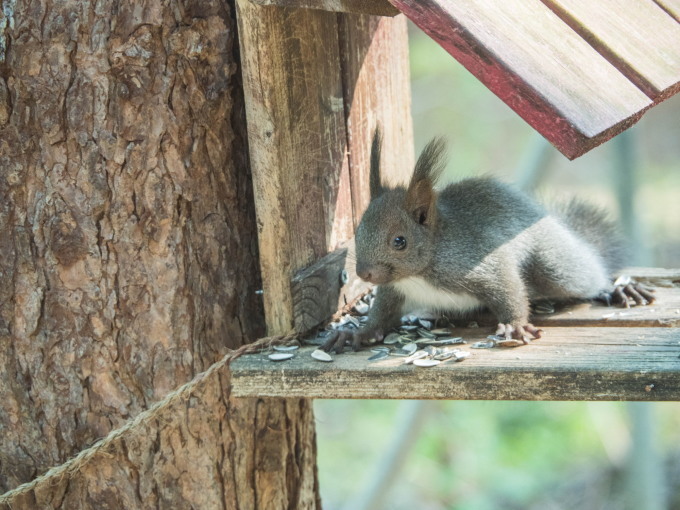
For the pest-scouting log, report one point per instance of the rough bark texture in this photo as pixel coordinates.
(128, 257)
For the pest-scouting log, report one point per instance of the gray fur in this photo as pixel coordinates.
(480, 239)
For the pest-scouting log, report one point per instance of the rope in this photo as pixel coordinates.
(68, 468)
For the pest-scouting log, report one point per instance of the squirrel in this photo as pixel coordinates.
(478, 243)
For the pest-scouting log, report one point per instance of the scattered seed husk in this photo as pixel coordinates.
(361, 308)
(461, 355)
(409, 327)
(286, 348)
(441, 332)
(416, 355)
(353, 320)
(280, 356)
(409, 348)
(425, 333)
(380, 349)
(426, 362)
(399, 352)
(392, 338)
(425, 323)
(321, 355)
(544, 308)
(444, 355)
(509, 343)
(379, 355)
(444, 341)
(488, 344)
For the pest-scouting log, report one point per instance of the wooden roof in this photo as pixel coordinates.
(578, 71)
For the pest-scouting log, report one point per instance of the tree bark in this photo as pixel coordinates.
(128, 260)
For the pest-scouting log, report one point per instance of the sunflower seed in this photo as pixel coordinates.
(445, 341)
(426, 333)
(286, 348)
(407, 327)
(489, 344)
(409, 348)
(441, 332)
(425, 323)
(379, 355)
(353, 320)
(444, 355)
(426, 362)
(321, 355)
(544, 308)
(416, 355)
(461, 355)
(392, 338)
(509, 343)
(280, 356)
(361, 307)
(380, 349)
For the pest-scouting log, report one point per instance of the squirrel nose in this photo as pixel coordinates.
(364, 274)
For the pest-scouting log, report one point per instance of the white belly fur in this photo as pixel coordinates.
(421, 295)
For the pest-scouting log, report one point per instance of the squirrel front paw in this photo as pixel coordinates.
(625, 290)
(337, 340)
(523, 332)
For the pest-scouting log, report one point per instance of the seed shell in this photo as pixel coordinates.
(410, 348)
(321, 355)
(392, 338)
(489, 344)
(280, 356)
(379, 355)
(426, 362)
(286, 348)
(415, 356)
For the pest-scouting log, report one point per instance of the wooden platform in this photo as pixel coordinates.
(589, 352)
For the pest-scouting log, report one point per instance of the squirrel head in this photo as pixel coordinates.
(396, 236)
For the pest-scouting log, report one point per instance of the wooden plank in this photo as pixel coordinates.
(377, 92)
(377, 7)
(567, 364)
(541, 68)
(296, 134)
(637, 37)
(672, 7)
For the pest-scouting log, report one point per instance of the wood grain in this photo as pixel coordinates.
(376, 7)
(296, 133)
(541, 68)
(377, 92)
(567, 364)
(638, 38)
(672, 7)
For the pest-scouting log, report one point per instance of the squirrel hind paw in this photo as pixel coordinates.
(622, 295)
(525, 333)
(336, 342)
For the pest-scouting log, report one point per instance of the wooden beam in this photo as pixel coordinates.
(567, 364)
(639, 38)
(534, 62)
(376, 7)
(296, 133)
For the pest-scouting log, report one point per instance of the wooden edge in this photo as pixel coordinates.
(567, 364)
(375, 7)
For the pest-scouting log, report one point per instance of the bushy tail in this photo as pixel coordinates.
(595, 226)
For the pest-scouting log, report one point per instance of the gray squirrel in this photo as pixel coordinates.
(478, 243)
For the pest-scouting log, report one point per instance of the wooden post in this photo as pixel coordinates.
(311, 80)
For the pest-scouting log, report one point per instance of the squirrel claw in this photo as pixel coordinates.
(336, 342)
(628, 290)
(524, 333)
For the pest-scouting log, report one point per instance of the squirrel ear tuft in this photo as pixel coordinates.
(420, 196)
(375, 185)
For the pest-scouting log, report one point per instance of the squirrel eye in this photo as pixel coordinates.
(399, 242)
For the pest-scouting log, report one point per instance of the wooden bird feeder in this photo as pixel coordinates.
(316, 85)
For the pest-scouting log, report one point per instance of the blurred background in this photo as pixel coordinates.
(519, 455)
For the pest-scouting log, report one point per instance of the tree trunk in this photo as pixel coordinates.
(128, 259)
